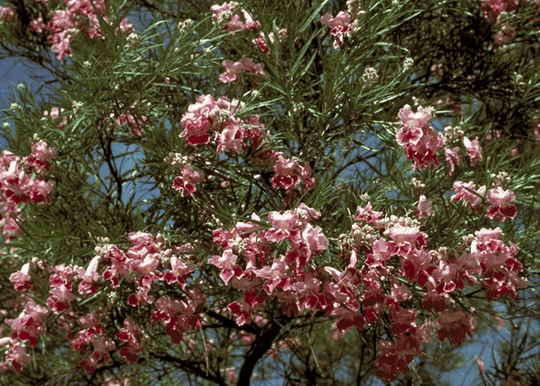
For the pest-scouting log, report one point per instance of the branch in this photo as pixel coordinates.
(192, 367)
(107, 152)
(226, 322)
(260, 346)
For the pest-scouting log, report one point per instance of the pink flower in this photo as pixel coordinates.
(6, 13)
(262, 42)
(417, 138)
(242, 311)
(37, 24)
(453, 158)
(131, 334)
(178, 272)
(60, 44)
(501, 201)
(286, 221)
(348, 319)
(227, 264)
(60, 299)
(473, 149)
(314, 238)
(111, 382)
(467, 191)
(306, 214)
(340, 26)
(205, 115)
(289, 173)
(394, 357)
(504, 36)
(493, 8)
(41, 156)
(125, 26)
(135, 124)
(379, 253)
(401, 293)
(424, 208)
(415, 120)
(402, 234)
(17, 357)
(223, 11)
(186, 183)
(21, 279)
(455, 326)
(88, 276)
(232, 137)
(245, 65)
(367, 214)
(481, 365)
(276, 275)
(136, 299)
(229, 11)
(28, 326)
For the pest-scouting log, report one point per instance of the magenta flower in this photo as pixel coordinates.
(424, 208)
(227, 264)
(245, 65)
(415, 120)
(21, 279)
(453, 158)
(276, 275)
(456, 326)
(186, 183)
(417, 138)
(7, 13)
(340, 26)
(467, 191)
(229, 11)
(502, 205)
(473, 149)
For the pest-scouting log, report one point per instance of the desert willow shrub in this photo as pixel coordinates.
(232, 193)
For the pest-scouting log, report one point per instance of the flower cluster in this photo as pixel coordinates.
(262, 43)
(245, 65)
(236, 18)
(501, 200)
(133, 123)
(290, 173)
(493, 10)
(210, 115)
(345, 23)
(418, 138)
(234, 135)
(386, 258)
(22, 180)
(6, 14)
(385, 276)
(54, 114)
(387, 263)
(25, 329)
(186, 183)
(438, 273)
(148, 261)
(421, 143)
(66, 24)
(253, 258)
(467, 191)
